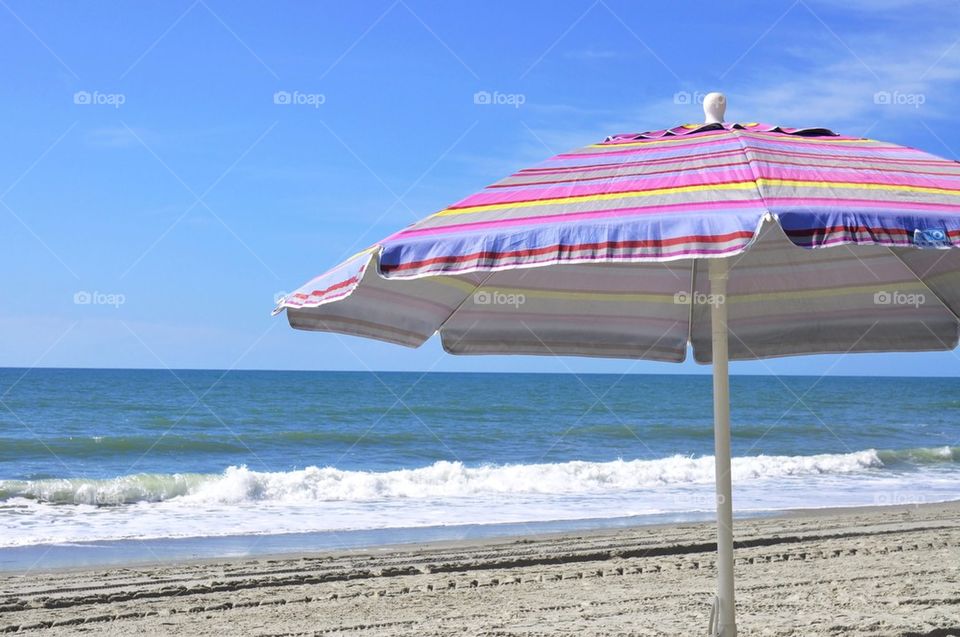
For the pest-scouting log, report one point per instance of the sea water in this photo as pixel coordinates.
(332, 459)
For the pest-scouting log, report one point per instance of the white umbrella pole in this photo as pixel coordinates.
(724, 622)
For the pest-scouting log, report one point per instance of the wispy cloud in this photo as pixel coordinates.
(818, 79)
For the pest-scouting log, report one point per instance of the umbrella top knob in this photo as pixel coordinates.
(714, 106)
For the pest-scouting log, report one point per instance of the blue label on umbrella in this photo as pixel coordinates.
(930, 238)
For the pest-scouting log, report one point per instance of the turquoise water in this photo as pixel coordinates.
(106, 455)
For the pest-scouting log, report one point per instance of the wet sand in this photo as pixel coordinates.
(890, 571)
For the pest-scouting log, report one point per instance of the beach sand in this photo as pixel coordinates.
(891, 571)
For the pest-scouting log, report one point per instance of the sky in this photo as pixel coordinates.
(168, 168)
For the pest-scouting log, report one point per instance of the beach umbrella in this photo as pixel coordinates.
(741, 241)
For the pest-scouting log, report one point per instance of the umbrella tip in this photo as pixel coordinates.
(714, 106)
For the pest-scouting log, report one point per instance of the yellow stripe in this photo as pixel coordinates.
(762, 181)
(621, 297)
(739, 185)
(668, 299)
(820, 293)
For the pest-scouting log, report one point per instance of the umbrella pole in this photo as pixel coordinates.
(724, 622)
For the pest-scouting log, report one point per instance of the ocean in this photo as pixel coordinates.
(103, 465)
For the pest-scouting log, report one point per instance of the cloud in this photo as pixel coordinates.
(848, 74)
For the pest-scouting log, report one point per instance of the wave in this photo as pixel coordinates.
(442, 480)
(920, 455)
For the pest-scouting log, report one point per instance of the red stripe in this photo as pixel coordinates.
(652, 243)
(335, 286)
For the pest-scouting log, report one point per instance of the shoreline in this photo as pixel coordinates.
(886, 570)
(165, 551)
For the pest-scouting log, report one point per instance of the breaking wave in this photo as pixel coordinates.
(237, 485)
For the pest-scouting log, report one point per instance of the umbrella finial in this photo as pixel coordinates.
(714, 106)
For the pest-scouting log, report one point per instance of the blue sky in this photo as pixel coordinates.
(145, 158)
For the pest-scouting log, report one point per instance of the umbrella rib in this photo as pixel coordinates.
(468, 296)
(924, 284)
(693, 291)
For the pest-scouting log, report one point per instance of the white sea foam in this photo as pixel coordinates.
(453, 479)
(244, 502)
(439, 480)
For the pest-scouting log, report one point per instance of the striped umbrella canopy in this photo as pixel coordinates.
(741, 240)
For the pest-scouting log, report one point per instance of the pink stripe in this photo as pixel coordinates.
(760, 143)
(683, 176)
(527, 172)
(863, 158)
(857, 176)
(321, 300)
(620, 140)
(580, 216)
(697, 177)
(884, 204)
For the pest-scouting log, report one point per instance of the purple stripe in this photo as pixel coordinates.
(488, 263)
